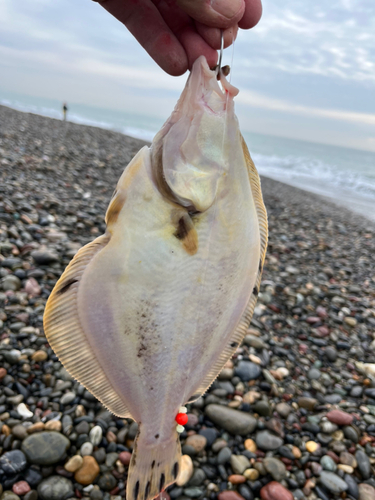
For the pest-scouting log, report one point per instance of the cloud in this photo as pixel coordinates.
(256, 100)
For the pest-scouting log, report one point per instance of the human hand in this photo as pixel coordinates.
(176, 32)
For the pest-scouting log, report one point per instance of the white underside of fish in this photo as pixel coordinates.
(146, 315)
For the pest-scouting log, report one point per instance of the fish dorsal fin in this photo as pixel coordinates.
(67, 338)
(239, 332)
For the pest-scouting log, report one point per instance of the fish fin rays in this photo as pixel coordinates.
(67, 338)
(153, 467)
(240, 331)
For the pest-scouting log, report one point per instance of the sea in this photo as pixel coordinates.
(345, 176)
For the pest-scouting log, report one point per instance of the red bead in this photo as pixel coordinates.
(182, 418)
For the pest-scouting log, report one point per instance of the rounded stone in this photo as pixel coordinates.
(45, 448)
(21, 488)
(96, 435)
(55, 488)
(87, 448)
(125, 457)
(275, 467)
(328, 463)
(197, 441)
(239, 463)
(333, 482)
(13, 462)
(229, 495)
(67, 398)
(233, 421)
(366, 492)
(250, 445)
(39, 356)
(311, 446)
(53, 425)
(185, 471)
(74, 463)
(275, 491)
(247, 371)
(339, 417)
(364, 465)
(267, 441)
(88, 472)
(251, 474)
(107, 482)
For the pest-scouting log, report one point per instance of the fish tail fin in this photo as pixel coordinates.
(153, 466)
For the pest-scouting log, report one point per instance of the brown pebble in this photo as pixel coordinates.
(39, 356)
(111, 437)
(74, 463)
(53, 425)
(3, 372)
(250, 445)
(236, 479)
(197, 441)
(37, 427)
(229, 495)
(275, 491)
(88, 472)
(125, 457)
(339, 417)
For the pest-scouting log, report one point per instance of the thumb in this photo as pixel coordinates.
(214, 13)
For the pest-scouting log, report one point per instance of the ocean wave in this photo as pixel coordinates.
(315, 175)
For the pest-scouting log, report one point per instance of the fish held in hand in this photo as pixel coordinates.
(146, 315)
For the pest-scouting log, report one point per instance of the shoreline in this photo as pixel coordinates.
(360, 207)
(291, 415)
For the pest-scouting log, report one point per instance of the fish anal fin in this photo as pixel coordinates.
(239, 333)
(67, 338)
(153, 466)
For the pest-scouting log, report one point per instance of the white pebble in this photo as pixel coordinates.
(96, 434)
(24, 411)
(86, 449)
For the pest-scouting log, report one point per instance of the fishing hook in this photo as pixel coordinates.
(218, 67)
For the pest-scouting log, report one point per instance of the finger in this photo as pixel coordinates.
(215, 13)
(146, 24)
(212, 36)
(252, 15)
(195, 46)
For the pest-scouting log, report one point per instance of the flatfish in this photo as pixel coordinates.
(147, 314)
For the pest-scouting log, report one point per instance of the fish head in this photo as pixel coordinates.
(192, 151)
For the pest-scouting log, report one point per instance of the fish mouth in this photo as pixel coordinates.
(214, 98)
(187, 155)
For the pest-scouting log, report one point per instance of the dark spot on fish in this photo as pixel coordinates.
(156, 436)
(147, 490)
(162, 482)
(255, 291)
(151, 388)
(175, 470)
(182, 229)
(153, 464)
(136, 490)
(66, 286)
(187, 234)
(193, 398)
(141, 350)
(234, 344)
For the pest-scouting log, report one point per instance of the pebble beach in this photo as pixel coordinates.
(291, 416)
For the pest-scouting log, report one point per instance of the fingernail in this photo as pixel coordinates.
(227, 8)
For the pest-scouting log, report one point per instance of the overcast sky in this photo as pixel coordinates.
(307, 71)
